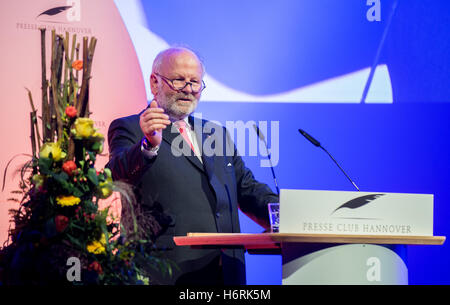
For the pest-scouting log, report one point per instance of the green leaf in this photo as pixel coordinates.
(52, 201)
(45, 165)
(76, 192)
(84, 188)
(101, 177)
(96, 146)
(92, 176)
(90, 206)
(75, 242)
(91, 156)
(62, 178)
(77, 227)
(105, 231)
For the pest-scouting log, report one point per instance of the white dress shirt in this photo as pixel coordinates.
(151, 153)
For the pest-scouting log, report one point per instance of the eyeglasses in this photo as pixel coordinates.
(180, 84)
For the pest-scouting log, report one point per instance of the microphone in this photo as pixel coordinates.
(311, 139)
(262, 138)
(317, 143)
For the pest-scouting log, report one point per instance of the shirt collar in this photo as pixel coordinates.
(186, 120)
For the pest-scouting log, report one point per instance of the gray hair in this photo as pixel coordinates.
(178, 49)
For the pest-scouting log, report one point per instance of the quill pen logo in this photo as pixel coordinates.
(55, 10)
(358, 202)
(72, 9)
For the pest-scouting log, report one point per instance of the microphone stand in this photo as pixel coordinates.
(262, 138)
(340, 168)
(317, 144)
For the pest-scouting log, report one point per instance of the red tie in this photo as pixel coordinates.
(182, 129)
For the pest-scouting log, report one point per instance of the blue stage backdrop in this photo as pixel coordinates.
(304, 64)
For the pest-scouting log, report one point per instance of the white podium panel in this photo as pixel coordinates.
(351, 264)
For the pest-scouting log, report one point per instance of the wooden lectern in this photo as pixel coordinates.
(336, 237)
(324, 258)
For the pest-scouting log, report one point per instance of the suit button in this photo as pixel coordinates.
(217, 214)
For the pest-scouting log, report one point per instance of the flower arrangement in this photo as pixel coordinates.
(59, 215)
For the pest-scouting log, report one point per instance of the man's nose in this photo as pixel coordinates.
(187, 88)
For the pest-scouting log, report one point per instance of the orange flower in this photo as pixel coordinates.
(71, 111)
(95, 266)
(77, 65)
(68, 167)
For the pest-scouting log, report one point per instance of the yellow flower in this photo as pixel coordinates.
(38, 180)
(67, 200)
(105, 189)
(53, 149)
(145, 280)
(103, 239)
(98, 136)
(84, 127)
(97, 246)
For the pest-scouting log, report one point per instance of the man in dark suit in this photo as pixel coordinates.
(186, 173)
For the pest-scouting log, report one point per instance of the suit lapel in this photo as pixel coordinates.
(208, 161)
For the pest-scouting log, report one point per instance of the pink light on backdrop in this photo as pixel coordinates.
(117, 87)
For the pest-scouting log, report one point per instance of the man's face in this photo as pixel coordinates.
(184, 66)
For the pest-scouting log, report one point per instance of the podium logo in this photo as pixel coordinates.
(358, 202)
(373, 273)
(72, 11)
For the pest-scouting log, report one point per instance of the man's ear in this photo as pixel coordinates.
(153, 84)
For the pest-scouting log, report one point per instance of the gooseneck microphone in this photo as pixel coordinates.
(262, 138)
(317, 143)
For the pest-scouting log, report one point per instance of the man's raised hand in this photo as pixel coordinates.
(152, 121)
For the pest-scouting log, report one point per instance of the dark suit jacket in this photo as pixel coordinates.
(188, 196)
